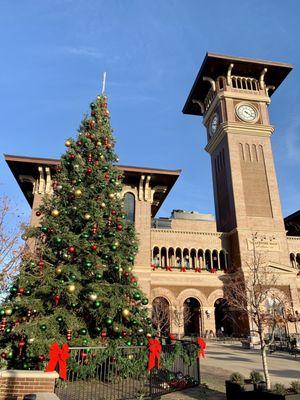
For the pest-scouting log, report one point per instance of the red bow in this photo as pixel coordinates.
(202, 344)
(168, 268)
(197, 269)
(59, 356)
(182, 269)
(154, 348)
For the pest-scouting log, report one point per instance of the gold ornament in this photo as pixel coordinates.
(93, 296)
(148, 335)
(117, 243)
(116, 328)
(130, 356)
(55, 213)
(125, 312)
(71, 288)
(87, 216)
(103, 205)
(58, 270)
(102, 157)
(31, 340)
(68, 143)
(129, 269)
(111, 195)
(78, 193)
(8, 311)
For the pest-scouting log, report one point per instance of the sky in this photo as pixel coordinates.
(54, 52)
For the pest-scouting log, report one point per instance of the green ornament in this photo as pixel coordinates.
(44, 229)
(93, 105)
(98, 275)
(134, 283)
(99, 236)
(145, 302)
(134, 322)
(98, 330)
(104, 168)
(108, 321)
(130, 258)
(128, 342)
(88, 264)
(97, 304)
(106, 256)
(84, 342)
(73, 277)
(16, 307)
(83, 331)
(43, 327)
(2, 312)
(85, 235)
(59, 319)
(32, 264)
(57, 240)
(137, 295)
(10, 355)
(114, 247)
(103, 186)
(113, 180)
(28, 292)
(140, 343)
(73, 305)
(116, 268)
(25, 365)
(13, 289)
(8, 330)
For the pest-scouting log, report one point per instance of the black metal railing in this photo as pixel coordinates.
(97, 373)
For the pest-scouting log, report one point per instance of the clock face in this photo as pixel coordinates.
(247, 113)
(213, 124)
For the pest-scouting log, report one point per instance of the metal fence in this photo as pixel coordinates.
(95, 375)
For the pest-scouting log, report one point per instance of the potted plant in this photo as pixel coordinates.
(258, 381)
(280, 392)
(237, 387)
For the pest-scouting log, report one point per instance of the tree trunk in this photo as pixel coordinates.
(265, 363)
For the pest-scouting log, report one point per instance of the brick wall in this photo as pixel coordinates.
(15, 384)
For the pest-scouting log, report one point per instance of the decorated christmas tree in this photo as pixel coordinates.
(77, 286)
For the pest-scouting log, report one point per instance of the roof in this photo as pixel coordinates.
(292, 224)
(25, 171)
(215, 65)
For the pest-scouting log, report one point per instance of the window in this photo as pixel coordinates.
(129, 207)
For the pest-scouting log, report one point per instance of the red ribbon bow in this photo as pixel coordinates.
(60, 356)
(197, 269)
(154, 348)
(202, 346)
(182, 269)
(168, 268)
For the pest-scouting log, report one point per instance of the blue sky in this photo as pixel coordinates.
(53, 54)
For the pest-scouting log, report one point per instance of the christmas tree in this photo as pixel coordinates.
(77, 286)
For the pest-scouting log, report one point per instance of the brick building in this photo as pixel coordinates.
(182, 259)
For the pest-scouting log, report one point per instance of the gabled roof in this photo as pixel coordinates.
(25, 171)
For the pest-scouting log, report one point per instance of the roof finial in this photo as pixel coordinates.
(103, 82)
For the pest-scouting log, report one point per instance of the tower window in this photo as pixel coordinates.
(129, 207)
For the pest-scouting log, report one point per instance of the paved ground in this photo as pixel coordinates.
(223, 359)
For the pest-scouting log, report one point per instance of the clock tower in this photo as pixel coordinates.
(233, 95)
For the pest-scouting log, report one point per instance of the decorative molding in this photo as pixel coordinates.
(141, 189)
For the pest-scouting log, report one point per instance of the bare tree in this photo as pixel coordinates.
(252, 292)
(10, 248)
(181, 316)
(161, 314)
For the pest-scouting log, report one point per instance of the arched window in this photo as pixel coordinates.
(129, 207)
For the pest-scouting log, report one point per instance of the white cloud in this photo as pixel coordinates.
(84, 51)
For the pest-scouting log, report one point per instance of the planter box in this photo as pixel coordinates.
(273, 396)
(237, 392)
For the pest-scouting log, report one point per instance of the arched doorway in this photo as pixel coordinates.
(161, 315)
(222, 318)
(192, 317)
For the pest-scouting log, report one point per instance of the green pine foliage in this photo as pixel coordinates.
(77, 286)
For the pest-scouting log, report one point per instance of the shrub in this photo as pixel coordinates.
(237, 378)
(278, 388)
(295, 385)
(256, 377)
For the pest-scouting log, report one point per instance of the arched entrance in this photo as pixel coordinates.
(161, 315)
(192, 317)
(222, 318)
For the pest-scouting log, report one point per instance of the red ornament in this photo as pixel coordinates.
(108, 146)
(21, 345)
(41, 264)
(21, 290)
(92, 136)
(79, 143)
(41, 358)
(114, 212)
(94, 247)
(132, 280)
(107, 177)
(3, 355)
(3, 324)
(38, 213)
(72, 156)
(126, 274)
(56, 299)
(93, 113)
(103, 334)
(83, 354)
(92, 123)
(120, 177)
(90, 158)
(124, 333)
(71, 249)
(89, 170)
(119, 227)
